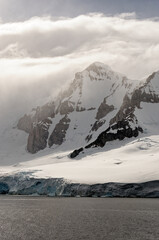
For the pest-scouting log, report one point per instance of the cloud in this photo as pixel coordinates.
(85, 37)
(127, 15)
(39, 55)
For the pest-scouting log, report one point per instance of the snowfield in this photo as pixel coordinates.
(128, 161)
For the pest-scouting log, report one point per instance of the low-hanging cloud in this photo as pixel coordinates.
(39, 55)
(115, 40)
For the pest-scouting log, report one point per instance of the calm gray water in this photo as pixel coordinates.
(78, 218)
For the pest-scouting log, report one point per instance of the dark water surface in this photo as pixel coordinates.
(78, 218)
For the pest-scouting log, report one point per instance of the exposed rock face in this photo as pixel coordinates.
(48, 110)
(80, 109)
(97, 125)
(140, 95)
(103, 110)
(99, 99)
(58, 135)
(126, 109)
(37, 139)
(145, 93)
(39, 114)
(66, 107)
(120, 130)
(88, 138)
(76, 153)
(25, 123)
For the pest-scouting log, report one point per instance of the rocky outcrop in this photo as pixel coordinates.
(80, 109)
(58, 135)
(120, 130)
(76, 153)
(145, 93)
(140, 95)
(103, 110)
(126, 109)
(25, 123)
(39, 114)
(98, 124)
(66, 107)
(43, 112)
(38, 136)
(95, 127)
(37, 125)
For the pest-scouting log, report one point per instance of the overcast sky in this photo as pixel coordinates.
(43, 43)
(13, 10)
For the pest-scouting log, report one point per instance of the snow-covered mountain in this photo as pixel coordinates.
(102, 109)
(99, 100)
(81, 112)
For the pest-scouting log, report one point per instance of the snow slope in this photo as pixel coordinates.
(135, 160)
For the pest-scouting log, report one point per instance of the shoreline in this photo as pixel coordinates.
(59, 187)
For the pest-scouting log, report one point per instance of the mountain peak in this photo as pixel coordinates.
(96, 66)
(96, 71)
